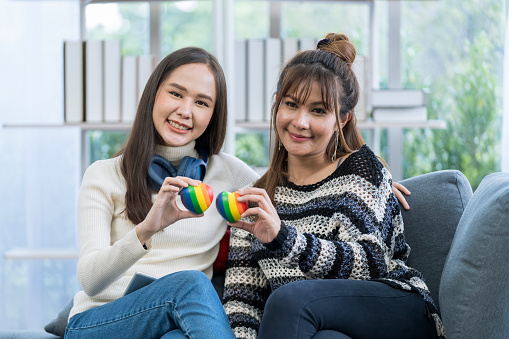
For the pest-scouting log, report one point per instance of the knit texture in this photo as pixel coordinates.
(110, 252)
(347, 226)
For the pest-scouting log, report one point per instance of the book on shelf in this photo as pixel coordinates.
(255, 80)
(399, 97)
(289, 47)
(146, 64)
(129, 87)
(404, 114)
(74, 81)
(112, 77)
(359, 67)
(272, 65)
(240, 80)
(94, 82)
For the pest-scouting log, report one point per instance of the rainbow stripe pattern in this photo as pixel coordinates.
(197, 198)
(229, 207)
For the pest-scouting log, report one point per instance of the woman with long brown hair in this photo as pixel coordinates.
(128, 220)
(321, 251)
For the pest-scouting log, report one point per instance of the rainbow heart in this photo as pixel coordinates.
(229, 207)
(197, 198)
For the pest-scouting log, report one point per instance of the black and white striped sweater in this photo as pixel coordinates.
(347, 226)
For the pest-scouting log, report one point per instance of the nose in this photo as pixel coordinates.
(301, 119)
(185, 109)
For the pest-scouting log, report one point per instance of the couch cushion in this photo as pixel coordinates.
(437, 202)
(473, 291)
(57, 326)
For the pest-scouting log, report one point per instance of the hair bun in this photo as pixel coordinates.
(340, 45)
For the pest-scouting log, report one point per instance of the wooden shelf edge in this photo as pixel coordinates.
(100, 126)
(247, 125)
(40, 254)
(368, 124)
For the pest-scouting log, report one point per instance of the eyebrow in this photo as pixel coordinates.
(316, 103)
(182, 88)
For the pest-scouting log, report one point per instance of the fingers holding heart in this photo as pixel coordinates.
(267, 224)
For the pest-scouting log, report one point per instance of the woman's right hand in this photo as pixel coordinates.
(164, 211)
(267, 224)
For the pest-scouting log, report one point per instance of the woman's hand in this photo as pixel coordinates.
(398, 188)
(164, 211)
(267, 223)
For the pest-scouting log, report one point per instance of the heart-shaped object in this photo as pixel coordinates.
(197, 198)
(229, 207)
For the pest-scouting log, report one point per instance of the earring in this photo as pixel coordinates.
(279, 145)
(335, 148)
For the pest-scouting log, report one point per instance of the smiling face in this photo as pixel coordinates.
(184, 104)
(305, 128)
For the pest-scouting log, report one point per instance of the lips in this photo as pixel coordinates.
(178, 127)
(298, 137)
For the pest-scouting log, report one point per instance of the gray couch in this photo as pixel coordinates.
(459, 241)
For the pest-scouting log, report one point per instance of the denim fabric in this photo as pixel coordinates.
(344, 308)
(179, 305)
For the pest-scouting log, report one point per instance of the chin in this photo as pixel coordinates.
(175, 142)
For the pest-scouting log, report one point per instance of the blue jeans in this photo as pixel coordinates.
(344, 308)
(179, 305)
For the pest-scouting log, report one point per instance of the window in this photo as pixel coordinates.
(128, 22)
(183, 23)
(298, 20)
(462, 70)
(186, 23)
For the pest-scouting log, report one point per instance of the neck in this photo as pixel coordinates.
(175, 154)
(310, 170)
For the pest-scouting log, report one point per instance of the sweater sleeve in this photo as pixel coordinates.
(102, 262)
(365, 231)
(237, 172)
(246, 287)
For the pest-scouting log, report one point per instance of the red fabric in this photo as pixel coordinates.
(220, 263)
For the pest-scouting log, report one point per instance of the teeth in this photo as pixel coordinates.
(177, 126)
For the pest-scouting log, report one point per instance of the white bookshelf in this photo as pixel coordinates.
(373, 128)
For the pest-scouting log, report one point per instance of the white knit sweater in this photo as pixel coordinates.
(110, 252)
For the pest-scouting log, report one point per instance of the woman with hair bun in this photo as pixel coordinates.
(321, 251)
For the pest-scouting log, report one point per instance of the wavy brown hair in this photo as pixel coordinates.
(139, 148)
(330, 65)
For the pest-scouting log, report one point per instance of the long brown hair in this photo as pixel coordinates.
(139, 148)
(331, 66)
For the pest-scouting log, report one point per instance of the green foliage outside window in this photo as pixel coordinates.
(460, 59)
(105, 144)
(309, 19)
(253, 148)
(128, 22)
(186, 23)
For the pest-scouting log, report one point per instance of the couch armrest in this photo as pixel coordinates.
(473, 290)
(437, 203)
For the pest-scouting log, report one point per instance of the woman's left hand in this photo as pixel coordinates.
(267, 223)
(398, 188)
